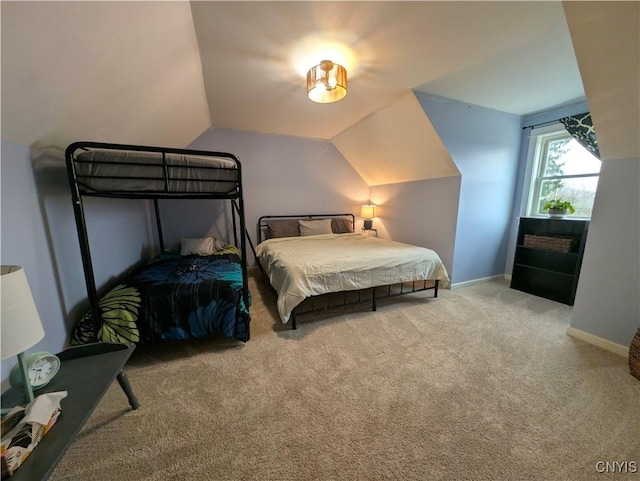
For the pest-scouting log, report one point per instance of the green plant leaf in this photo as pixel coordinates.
(559, 204)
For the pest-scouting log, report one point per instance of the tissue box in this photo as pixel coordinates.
(20, 440)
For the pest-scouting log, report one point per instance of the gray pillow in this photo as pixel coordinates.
(315, 227)
(283, 228)
(341, 226)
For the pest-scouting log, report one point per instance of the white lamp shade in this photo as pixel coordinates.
(20, 322)
(368, 211)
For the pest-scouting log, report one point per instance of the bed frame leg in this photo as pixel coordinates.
(293, 321)
(436, 288)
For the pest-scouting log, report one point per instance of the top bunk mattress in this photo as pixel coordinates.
(117, 171)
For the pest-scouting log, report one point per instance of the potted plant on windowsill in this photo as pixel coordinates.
(558, 208)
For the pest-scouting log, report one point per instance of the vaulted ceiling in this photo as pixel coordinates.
(511, 56)
(163, 72)
(124, 72)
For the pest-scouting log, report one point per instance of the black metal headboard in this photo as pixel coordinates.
(262, 221)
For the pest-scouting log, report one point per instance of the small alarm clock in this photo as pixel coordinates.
(41, 368)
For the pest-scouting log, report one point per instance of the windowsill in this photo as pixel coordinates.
(569, 217)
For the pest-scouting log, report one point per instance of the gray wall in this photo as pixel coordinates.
(423, 213)
(281, 175)
(485, 145)
(24, 242)
(606, 302)
(39, 233)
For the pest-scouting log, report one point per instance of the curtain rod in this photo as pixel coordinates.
(541, 124)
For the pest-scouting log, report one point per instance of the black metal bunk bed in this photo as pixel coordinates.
(153, 173)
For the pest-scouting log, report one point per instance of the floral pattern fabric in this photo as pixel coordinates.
(173, 297)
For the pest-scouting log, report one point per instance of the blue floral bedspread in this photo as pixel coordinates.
(173, 297)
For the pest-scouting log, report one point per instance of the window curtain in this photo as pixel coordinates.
(581, 128)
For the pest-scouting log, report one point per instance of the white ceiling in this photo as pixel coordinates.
(396, 144)
(161, 73)
(608, 48)
(126, 72)
(516, 57)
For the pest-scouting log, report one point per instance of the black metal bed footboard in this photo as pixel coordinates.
(342, 299)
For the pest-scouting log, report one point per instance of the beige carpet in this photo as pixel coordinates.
(479, 384)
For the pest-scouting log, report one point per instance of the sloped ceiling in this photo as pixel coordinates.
(125, 72)
(162, 73)
(606, 38)
(511, 56)
(372, 145)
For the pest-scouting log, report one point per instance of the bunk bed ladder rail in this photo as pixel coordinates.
(238, 207)
(81, 226)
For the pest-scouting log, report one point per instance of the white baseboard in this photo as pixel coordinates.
(601, 342)
(508, 277)
(477, 281)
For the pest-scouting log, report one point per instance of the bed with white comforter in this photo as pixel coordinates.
(301, 267)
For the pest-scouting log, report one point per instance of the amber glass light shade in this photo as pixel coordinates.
(326, 82)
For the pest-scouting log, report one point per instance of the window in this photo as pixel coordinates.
(561, 169)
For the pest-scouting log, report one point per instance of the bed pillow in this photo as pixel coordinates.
(341, 226)
(202, 246)
(283, 228)
(315, 227)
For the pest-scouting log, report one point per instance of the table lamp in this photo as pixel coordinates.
(20, 323)
(368, 212)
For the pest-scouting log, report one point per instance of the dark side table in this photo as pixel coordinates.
(86, 372)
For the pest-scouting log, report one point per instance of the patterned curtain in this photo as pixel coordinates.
(581, 128)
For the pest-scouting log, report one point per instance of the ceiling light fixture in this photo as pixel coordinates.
(326, 82)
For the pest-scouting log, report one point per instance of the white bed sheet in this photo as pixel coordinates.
(300, 267)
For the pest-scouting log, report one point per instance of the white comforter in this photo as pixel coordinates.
(300, 267)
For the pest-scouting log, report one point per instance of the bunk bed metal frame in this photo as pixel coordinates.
(80, 189)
